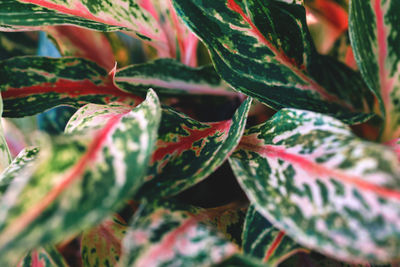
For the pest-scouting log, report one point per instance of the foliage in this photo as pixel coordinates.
(199, 133)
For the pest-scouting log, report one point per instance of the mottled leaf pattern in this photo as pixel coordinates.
(43, 257)
(264, 49)
(374, 27)
(49, 82)
(17, 167)
(262, 240)
(229, 220)
(64, 190)
(165, 233)
(326, 188)
(99, 15)
(13, 17)
(187, 151)
(101, 245)
(170, 77)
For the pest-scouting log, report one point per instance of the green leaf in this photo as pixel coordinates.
(64, 190)
(239, 260)
(327, 189)
(101, 245)
(16, 168)
(373, 31)
(187, 151)
(264, 49)
(43, 257)
(165, 233)
(16, 16)
(48, 82)
(229, 220)
(169, 77)
(263, 241)
(5, 156)
(97, 15)
(14, 44)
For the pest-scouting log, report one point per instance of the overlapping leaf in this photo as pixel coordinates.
(17, 44)
(16, 167)
(64, 190)
(17, 16)
(48, 82)
(101, 245)
(181, 41)
(326, 188)
(263, 49)
(187, 151)
(170, 77)
(165, 233)
(229, 220)
(98, 15)
(262, 240)
(373, 30)
(79, 42)
(43, 257)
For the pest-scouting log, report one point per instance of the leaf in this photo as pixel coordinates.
(49, 82)
(125, 14)
(373, 32)
(187, 151)
(101, 245)
(239, 260)
(263, 241)
(264, 49)
(5, 156)
(43, 257)
(65, 191)
(165, 233)
(16, 167)
(229, 220)
(326, 188)
(182, 42)
(17, 16)
(80, 42)
(16, 44)
(395, 144)
(170, 78)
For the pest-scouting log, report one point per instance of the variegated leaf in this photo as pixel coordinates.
(48, 82)
(43, 257)
(187, 151)
(395, 144)
(17, 16)
(182, 42)
(264, 49)
(17, 167)
(263, 241)
(374, 27)
(80, 42)
(98, 15)
(169, 234)
(65, 190)
(17, 44)
(101, 245)
(170, 77)
(326, 188)
(240, 260)
(229, 220)
(5, 156)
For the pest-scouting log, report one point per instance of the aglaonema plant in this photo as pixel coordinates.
(203, 133)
